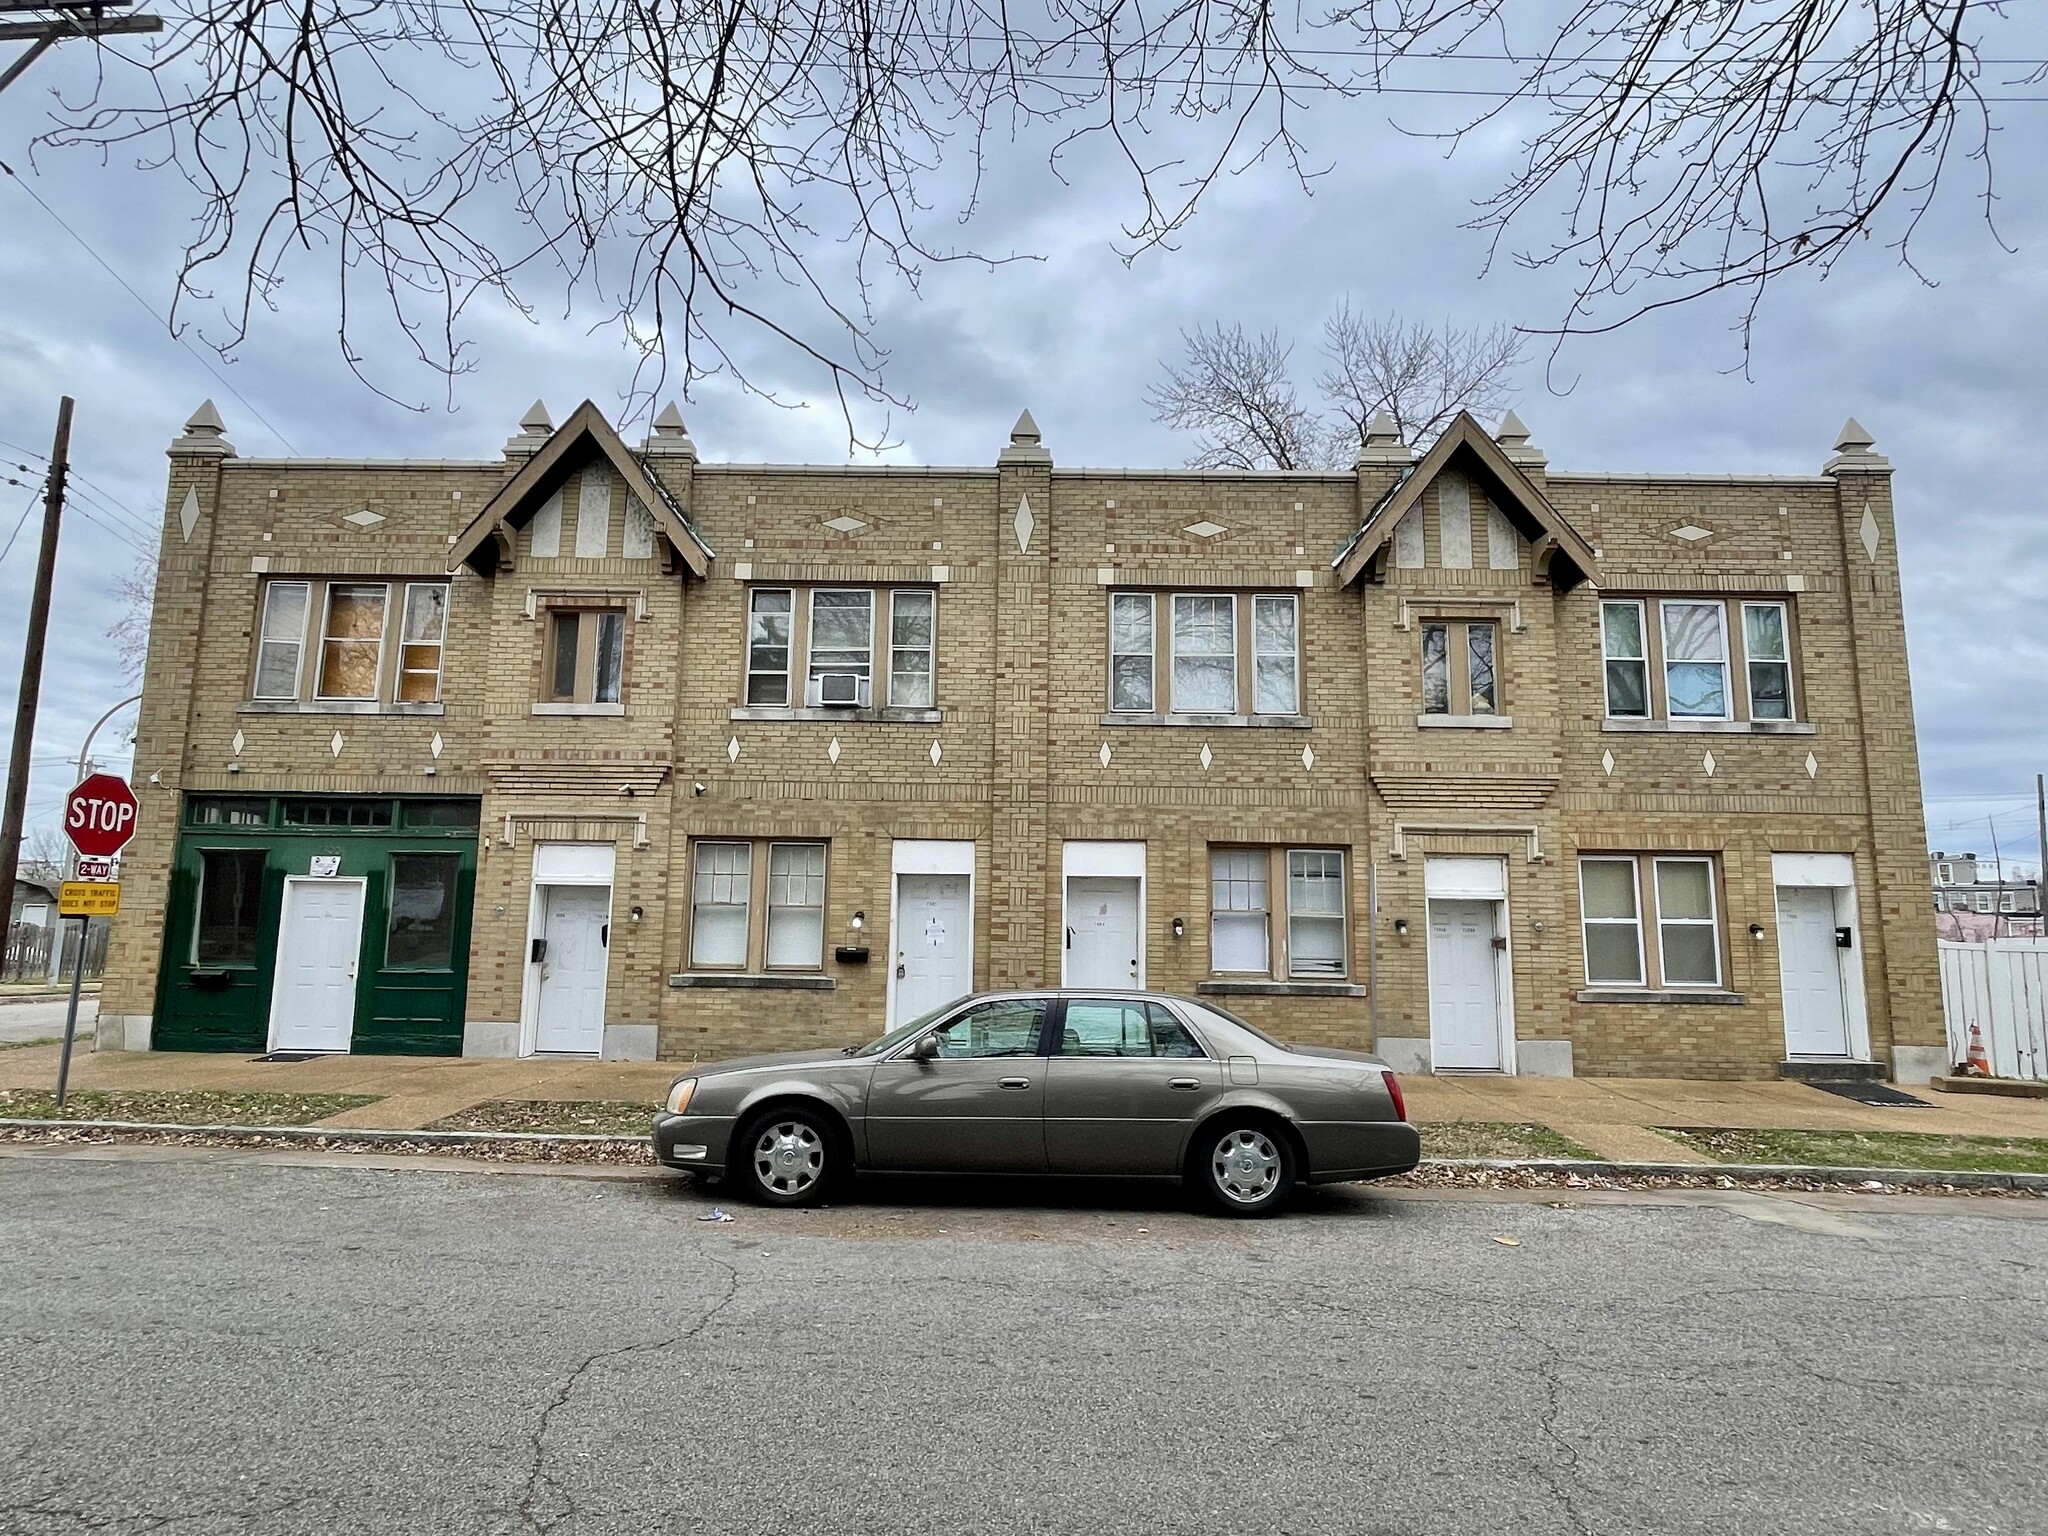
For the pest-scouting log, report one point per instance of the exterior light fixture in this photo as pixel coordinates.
(860, 920)
(1179, 928)
(1756, 932)
(1400, 927)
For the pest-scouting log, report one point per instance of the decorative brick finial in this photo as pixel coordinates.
(1382, 442)
(1856, 449)
(1026, 444)
(205, 433)
(1513, 438)
(670, 437)
(537, 422)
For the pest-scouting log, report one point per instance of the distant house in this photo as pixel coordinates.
(29, 926)
(1974, 900)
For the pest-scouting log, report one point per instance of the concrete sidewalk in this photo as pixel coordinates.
(1610, 1117)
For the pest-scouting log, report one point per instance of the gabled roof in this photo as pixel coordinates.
(585, 433)
(1467, 444)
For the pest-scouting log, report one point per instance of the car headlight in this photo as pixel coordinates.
(679, 1096)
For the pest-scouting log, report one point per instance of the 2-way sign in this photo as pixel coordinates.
(99, 816)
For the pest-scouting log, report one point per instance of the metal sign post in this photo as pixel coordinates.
(99, 818)
(71, 1014)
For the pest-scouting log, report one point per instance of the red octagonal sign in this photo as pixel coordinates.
(99, 816)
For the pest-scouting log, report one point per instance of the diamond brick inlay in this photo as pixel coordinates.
(1208, 757)
(732, 750)
(845, 524)
(335, 743)
(1709, 764)
(1607, 762)
(365, 518)
(832, 751)
(1692, 533)
(1812, 766)
(1103, 755)
(1205, 529)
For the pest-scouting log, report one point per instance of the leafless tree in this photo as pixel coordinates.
(136, 593)
(697, 170)
(1421, 375)
(1238, 394)
(1234, 391)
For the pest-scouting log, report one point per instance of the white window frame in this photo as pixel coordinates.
(1173, 652)
(1712, 921)
(383, 630)
(745, 903)
(1342, 916)
(1785, 661)
(789, 697)
(299, 645)
(1262, 866)
(1944, 874)
(864, 669)
(1984, 903)
(1150, 653)
(1293, 653)
(770, 907)
(440, 644)
(1643, 660)
(930, 649)
(1635, 876)
(1720, 607)
(2008, 901)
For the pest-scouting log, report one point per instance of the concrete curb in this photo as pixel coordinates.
(1739, 1173)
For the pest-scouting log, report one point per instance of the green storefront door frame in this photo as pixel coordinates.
(417, 859)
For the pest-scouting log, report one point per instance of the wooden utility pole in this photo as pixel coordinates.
(32, 665)
(73, 18)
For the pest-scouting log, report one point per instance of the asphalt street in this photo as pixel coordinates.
(23, 1022)
(236, 1344)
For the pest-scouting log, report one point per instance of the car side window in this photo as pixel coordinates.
(1007, 1028)
(1123, 1027)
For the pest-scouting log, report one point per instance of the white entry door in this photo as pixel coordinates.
(934, 944)
(1464, 989)
(1103, 945)
(1810, 970)
(320, 936)
(576, 928)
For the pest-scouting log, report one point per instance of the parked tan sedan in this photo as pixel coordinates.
(1128, 1084)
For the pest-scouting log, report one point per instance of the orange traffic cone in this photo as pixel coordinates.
(1980, 1062)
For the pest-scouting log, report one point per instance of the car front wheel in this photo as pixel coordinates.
(1243, 1167)
(788, 1157)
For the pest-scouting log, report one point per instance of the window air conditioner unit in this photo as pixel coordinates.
(839, 690)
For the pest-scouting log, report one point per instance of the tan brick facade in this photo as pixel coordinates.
(1022, 756)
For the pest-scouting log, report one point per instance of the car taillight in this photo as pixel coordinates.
(1394, 1093)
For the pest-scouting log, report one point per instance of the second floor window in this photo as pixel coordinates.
(586, 656)
(349, 661)
(1459, 676)
(1223, 651)
(1696, 658)
(860, 645)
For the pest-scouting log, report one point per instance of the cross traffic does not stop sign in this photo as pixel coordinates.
(99, 816)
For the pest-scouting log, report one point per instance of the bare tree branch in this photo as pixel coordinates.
(1234, 390)
(1420, 375)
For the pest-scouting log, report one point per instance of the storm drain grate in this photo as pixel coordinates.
(1873, 1093)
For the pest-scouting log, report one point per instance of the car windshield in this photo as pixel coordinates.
(903, 1032)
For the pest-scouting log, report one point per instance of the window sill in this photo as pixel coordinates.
(1271, 722)
(1465, 722)
(334, 707)
(609, 711)
(1705, 996)
(1250, 988)
(771, 715)
(1712, 727)
(746, 981)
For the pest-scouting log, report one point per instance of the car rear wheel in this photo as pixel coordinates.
(788, 1157)
(1243, 1167)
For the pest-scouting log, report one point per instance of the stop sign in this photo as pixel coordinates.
(99, 816)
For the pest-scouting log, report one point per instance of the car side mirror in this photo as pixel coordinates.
(926, 1049)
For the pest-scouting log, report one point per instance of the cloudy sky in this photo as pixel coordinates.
(1948, 375)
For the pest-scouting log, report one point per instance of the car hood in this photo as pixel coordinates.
(1331, 1053)
(759, 1063)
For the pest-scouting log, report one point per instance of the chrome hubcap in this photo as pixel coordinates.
(789, 1157)
(1246, 1166)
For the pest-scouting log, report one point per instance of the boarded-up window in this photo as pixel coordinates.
(352, 641)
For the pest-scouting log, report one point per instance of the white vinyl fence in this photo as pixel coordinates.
(2002, 988)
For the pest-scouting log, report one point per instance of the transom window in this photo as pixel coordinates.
(1696, 658)
(1677, 895)
(1311, 942)
(347, 661)
(1224, 652)
(757, 905)
(866, 646)
(1460, 673)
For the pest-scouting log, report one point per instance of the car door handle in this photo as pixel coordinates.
(1184, 1082)
(1013, 1082)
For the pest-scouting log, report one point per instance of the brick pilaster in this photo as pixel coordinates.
(1024, 899)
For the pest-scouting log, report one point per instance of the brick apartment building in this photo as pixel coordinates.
(589, 750)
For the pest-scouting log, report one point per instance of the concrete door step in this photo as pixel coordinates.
(1826, 1071)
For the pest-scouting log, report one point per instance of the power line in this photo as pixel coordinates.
(98, 494)
(177, 336)
(18, 524)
